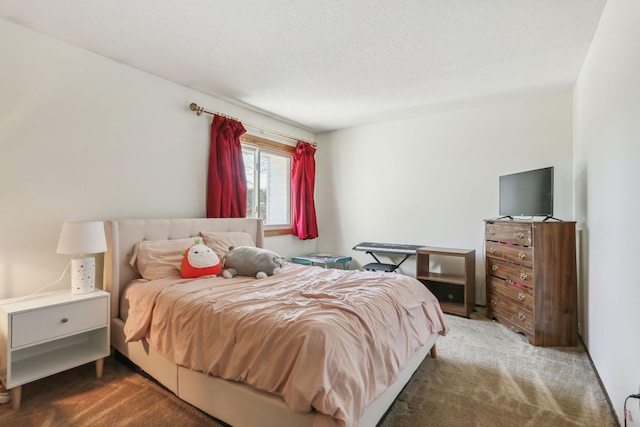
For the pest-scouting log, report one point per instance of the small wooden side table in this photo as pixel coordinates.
(456, 290)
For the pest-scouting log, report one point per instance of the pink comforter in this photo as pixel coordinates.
(329, 340)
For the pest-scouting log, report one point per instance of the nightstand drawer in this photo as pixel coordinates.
(47, 323)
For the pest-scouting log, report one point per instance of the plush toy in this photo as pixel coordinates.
(199, 260)
(251, 261)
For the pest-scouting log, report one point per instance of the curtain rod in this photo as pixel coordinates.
(199, 110)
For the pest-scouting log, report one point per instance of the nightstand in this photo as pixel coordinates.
(41, 335)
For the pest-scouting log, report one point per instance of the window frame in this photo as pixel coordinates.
(279, 148)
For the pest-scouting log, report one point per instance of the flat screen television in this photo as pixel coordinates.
(527, 193)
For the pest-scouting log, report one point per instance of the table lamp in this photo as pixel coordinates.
(79, 239)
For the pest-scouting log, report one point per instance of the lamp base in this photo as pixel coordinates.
(83, 275)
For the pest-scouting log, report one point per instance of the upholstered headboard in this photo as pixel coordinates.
(123, 234)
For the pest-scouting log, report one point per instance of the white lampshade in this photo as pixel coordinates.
(80, 238)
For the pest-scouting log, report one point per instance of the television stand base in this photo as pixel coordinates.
(550, 217)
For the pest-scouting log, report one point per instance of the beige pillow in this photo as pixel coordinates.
(154, 259)
(220, 241)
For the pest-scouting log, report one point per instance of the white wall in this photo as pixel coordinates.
(607, 183)
(432, 179)
(83, 137)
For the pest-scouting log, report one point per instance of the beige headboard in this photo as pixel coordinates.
(123, 234)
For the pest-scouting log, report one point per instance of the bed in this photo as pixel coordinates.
(234, 400)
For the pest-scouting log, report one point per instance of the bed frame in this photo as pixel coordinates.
(234, 403)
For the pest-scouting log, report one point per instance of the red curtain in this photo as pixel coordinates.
(303, 176)
(227, 182)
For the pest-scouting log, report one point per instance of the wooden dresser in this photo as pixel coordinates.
(531, 279)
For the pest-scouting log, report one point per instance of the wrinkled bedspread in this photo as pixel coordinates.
(329, 340)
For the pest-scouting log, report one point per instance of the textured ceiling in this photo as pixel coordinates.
(332, 64)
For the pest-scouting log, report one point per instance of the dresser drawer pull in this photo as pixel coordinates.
(523, 276)
(492, 231)
(521, 296)
(494, 285)
(64, 320)
(521, 316)
(521, 255)
(493, 303)
(519, 234)
(494, 267)
(492, 250)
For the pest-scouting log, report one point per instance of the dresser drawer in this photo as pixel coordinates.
(519, 233)
(513, 272)
(512, 253)
(47, 323)
(517, 315)
(521, 297)
(517, 327)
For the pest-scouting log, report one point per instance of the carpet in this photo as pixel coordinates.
(485, 375)
(488, 375)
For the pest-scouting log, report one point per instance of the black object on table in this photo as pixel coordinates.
(372, 248)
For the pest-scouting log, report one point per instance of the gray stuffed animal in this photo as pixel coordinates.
(251, 261)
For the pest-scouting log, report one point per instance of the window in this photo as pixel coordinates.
(268, 169)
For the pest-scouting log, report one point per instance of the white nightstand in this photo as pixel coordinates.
(41, 335)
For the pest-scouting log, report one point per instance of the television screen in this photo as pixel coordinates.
(527, 193)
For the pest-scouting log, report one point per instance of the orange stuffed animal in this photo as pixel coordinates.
(199, 260)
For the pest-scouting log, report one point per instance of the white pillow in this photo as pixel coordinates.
(154, 259)
(221, 241)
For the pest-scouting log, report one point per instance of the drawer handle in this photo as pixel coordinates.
(493, 303)
(492, 250)
(492, 231)
(521, 316)
(521, 296)
(494, 285)
(64, 320)
(521, 255)
(523, 276)
(519, 234)
(494, 267)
